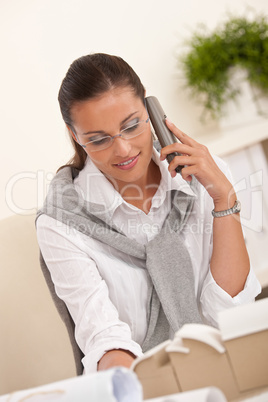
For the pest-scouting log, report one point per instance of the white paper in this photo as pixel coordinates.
(115, 385)
(243, 320)
(263, 397)
(210, 394)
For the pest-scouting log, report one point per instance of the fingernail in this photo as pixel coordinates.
(168, 120)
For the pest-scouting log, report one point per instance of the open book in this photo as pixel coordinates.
(233, 358)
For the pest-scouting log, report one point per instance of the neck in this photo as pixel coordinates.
(141, 192)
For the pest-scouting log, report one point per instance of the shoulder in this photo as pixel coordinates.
(47, 224)
(54, 235)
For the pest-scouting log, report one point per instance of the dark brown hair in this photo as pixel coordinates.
(88, 77)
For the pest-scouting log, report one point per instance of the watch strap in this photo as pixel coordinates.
(234, 210)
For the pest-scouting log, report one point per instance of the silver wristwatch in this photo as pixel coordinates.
(234, 210)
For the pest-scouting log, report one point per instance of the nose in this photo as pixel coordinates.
(121, 146)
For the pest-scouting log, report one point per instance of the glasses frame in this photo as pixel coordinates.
(112, 138)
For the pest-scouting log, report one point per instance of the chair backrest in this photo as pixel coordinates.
(34, 344)
(65, 316)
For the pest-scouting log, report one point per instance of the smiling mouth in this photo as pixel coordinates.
(128, 162)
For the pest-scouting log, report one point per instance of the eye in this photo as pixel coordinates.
(97, 140)
(131, 126)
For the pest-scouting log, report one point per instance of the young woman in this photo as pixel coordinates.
(132, 247)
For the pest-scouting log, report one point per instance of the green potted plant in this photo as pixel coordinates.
(238, 42)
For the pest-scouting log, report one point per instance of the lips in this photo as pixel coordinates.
(128, 164)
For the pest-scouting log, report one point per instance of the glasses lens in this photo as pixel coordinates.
(101, 142)
(133, 130)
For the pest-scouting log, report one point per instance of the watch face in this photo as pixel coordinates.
(237, 206)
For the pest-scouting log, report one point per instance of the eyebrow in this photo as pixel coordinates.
(103, 132)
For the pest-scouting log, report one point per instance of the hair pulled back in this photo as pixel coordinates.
(89, 77)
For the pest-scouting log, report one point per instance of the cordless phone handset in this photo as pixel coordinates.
(164, 135)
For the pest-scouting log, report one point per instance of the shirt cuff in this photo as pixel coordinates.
(92, 358)
(214, 299)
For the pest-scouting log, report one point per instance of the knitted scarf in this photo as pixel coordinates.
(171, 302)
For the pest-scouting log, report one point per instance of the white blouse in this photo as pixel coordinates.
(105, 291)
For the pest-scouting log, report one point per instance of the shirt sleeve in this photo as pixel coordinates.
(78, 283)
(213, 298)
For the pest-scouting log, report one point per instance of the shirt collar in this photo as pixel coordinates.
(97, 190)
(167, 182)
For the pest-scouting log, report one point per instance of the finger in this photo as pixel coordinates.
(182, 160)
(188, 171)
(184, 138)
(177, 147)
(189, 166)
(184, 174)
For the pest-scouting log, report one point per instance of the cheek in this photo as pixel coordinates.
(97, 161)
(149, 140)
(100, 158)
(145, 140)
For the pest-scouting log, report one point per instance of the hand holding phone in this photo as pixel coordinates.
(164, 135)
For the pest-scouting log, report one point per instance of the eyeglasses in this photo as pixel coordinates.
(98, 141)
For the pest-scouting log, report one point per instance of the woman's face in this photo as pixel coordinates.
(124, 161)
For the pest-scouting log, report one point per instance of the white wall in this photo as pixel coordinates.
(39, 40)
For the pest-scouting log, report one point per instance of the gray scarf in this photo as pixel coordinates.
(172, 301)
